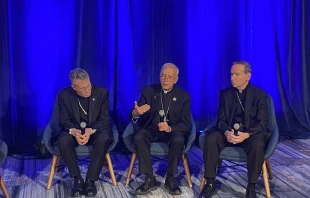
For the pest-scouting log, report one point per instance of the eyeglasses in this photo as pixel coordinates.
(85, 88)
(167, 78)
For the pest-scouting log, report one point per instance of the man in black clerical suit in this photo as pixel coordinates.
(171, 127)
(82, 102)
(246, 105)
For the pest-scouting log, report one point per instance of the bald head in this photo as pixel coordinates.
(171, 66)
(169, 75)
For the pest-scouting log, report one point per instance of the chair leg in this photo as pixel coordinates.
(219, 166)
(187, 172)
(57, 164)
(269, 169)
(132, 162)
(203, 181)
(266, 182)
(52, 172)
(3, 188)
(110, 167)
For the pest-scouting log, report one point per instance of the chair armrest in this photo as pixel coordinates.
(191, 137)
(128, 137)
(210, 126)
(114, 137)
(47, 135)
(273, 142)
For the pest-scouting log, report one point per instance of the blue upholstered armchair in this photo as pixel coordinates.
(53, 128)
(237, 153)
(3, 155)
(159, 149)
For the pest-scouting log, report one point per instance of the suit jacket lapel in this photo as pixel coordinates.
(155, 98)
(232, 98)
(75, 107)
(248, 103)
(173, 104)
(91, 106)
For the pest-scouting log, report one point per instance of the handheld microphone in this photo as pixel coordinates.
(236, 128)
(83, 126)
(162, 116)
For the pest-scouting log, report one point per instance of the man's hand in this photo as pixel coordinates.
(228, 134)
(163, 126)
(140, 110)
(78, 136)
(236, 139)
(86, 136)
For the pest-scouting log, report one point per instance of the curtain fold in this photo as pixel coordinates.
(123, 44)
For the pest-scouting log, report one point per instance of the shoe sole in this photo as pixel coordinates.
(91, 196)
(147, 192)
(167, 190)
(212, 193)
(81, 193)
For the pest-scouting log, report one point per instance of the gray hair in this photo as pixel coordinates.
(247, 66)
(78, 74)
(170, 64)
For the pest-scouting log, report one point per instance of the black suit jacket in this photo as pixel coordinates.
(98, 110)
(256, 109)
(179, 113)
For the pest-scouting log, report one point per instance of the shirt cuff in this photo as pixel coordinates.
(94, 131)
(134, 118)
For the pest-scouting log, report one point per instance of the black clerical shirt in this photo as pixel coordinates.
(165, 100)
(239, 116)
(84, 103)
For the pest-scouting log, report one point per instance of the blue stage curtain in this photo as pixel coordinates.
(124, 43)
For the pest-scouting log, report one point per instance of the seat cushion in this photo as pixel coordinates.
(233, 154)
(159, 149)
(81, 150)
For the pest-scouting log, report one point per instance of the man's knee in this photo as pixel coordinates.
(177, 139)
(212, 138)
(257, 145)
(139, 136)
(257, 142)
(65, 139)
(103, 139)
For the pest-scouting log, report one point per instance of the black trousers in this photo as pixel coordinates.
(142, 140)
(100, 141)
(254, 147)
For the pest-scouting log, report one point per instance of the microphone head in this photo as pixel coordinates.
(236, 126)
(161, 113)
(83, 125)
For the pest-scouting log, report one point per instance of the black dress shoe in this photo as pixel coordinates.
(77, 189)
(208, 191)
(90, 189)
(148, 186)
(172, 186)
(250, 193)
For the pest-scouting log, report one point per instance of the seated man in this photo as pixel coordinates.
(243, 105)
(83, 104)
(162, 115)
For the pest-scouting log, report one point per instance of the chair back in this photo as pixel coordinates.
(51, 129)
(3, 151)
(273, 128)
